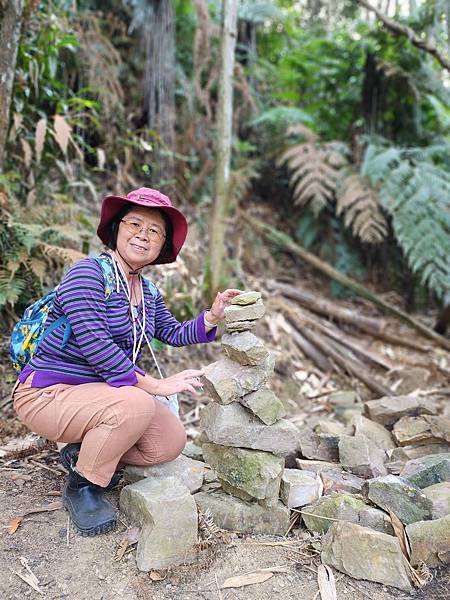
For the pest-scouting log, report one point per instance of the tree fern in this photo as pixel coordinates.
(315, 169)
(361, 209)
(416, 193)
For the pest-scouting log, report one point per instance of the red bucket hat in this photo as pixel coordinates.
(149, 198)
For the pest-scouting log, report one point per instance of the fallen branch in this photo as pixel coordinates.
(309, 350)
(336, 335)
(399, 29)
(331, 310)
(285, 241)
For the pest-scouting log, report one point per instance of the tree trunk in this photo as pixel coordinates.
(11, 12)
(224, 131)
(159, 96)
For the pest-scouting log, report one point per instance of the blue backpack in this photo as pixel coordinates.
(28, 333)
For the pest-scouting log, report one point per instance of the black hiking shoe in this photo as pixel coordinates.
(91, 514)
(69, 457)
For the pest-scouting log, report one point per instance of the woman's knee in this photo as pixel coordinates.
(175, 442)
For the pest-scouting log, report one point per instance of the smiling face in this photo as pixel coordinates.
(139, 248)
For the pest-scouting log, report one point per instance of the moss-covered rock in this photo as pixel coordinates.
(318, 517)
(247, 474)
(265, 405)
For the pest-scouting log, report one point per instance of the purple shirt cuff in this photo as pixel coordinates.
(203, 336)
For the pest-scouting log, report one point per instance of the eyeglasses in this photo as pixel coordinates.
(154, 234)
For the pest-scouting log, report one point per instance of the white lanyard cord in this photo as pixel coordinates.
(136, 345)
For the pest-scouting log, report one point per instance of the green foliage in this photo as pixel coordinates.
(416, 193)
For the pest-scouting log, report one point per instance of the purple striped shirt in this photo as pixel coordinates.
(101, 344)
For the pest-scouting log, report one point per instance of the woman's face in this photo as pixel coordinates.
(141, 236)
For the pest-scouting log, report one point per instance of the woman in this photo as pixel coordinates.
(89, 392)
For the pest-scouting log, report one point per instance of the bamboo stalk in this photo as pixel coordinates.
(285, 241)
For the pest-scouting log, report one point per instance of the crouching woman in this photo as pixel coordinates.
(89, 392)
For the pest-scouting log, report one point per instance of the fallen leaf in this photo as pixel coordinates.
(399, 530)
(29, 577)
(130, 537)
(14, 524)
(326, 582)
(247, 579)
(155, 576)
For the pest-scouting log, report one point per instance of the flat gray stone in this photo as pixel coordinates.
(240, 326)
(361, 456)
(330, 427)
(318, 446)
(366, 554)
(194, 451)
(316, 466)
(430, 542)
(233, 425)
(427, 470)
(265, 405)
(226, 381)
(345, 508)
(424, 429)
(341, 482)
(249, 312)
(244, 348)
(400, 456)
(388, 410)
(343, 398)
(375, 432)
(186, 470)
(439, 494)
(397, 495)
(167, 515)
(247, 474)
(298, 488)
(237, 515)
(245, 298)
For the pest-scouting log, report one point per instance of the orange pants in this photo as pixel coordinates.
(123, 425)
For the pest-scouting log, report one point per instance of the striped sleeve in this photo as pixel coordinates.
(81, 295)
(174, 333)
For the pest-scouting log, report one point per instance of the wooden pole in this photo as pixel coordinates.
(223, 144)
(10, 25)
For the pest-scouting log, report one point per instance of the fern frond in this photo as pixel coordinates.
(416, 193)
(314, 173)
(361, 209)
(66, 256)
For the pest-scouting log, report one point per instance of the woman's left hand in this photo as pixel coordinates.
(217, 311)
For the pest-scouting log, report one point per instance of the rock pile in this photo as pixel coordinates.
(355, 470)
(247, 438)
(388, 456)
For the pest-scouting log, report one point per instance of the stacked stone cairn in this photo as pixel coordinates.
(357, 470)
(245, 437)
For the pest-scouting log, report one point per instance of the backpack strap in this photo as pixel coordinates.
(105, 263)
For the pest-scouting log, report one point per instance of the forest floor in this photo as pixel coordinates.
(66, 565)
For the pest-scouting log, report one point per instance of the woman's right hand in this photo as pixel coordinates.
(185, 381)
